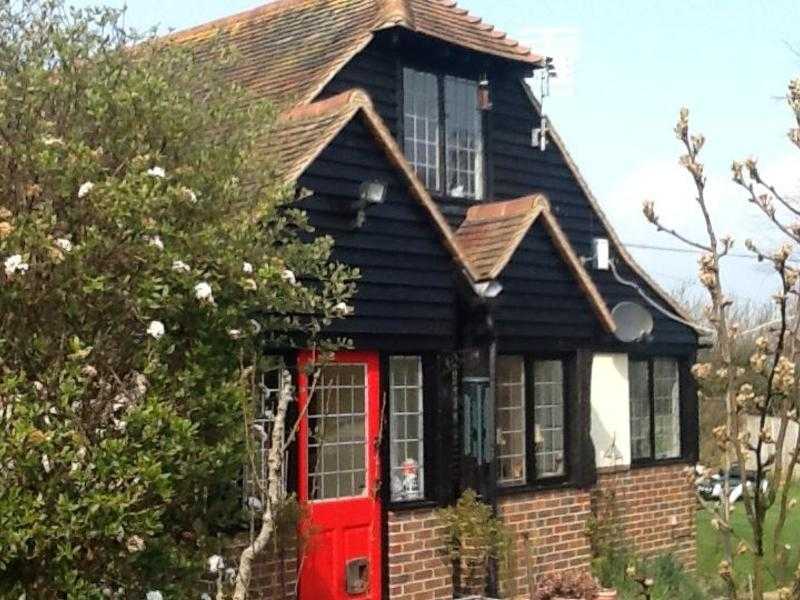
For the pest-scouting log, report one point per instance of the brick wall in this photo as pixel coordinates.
(655, 507)
(274, 573)
(419, 568)
(551, 534)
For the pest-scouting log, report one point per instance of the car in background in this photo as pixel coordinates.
(711, 488)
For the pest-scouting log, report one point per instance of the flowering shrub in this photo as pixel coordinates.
(148, 257)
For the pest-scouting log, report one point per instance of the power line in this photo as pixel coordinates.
(681, 250)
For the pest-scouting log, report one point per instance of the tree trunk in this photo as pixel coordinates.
(274, 493)
(758, 576)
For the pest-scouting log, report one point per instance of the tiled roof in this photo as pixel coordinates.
(290, 49)
(301, 134)
(445, 20)
(492, 232)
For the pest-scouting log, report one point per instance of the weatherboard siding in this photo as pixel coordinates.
(516, 170)
(406, 295)
(520, 169)
(541, 297)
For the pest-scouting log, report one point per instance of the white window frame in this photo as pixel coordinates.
(516, 413)
(423, 127)
(399, 479)
(461, 97)
(556, 431)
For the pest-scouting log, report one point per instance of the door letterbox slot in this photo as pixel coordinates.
(357, 576)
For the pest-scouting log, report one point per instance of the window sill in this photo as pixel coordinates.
(463, 200)
(659, 462)
(401, 506)
(557, 483)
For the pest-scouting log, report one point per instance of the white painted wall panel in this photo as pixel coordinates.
(611, 429)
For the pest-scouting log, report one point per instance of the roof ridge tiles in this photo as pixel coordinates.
(395, 12)
(354, 98)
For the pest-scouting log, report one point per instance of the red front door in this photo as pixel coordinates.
(338, 478)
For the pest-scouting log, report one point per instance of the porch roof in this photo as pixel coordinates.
(492, 232)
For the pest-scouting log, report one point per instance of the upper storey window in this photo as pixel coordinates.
(421, 125)
(444, 140)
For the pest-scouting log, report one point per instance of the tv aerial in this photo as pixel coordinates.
(634, 322)
(539, 134)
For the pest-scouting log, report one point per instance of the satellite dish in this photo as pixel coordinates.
(633, 321)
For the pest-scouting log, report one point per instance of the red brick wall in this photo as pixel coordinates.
(419, 568)
(550, 528)
(274, 573)
(656, 509)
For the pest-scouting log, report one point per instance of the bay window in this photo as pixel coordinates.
(654, 409)
(530, 420)
(443, 140)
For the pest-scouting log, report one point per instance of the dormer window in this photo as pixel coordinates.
(443, 141)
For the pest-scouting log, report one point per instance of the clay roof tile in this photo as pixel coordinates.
(289, 50)
(492, 232)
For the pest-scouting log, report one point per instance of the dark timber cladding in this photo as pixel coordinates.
(542, 301)
(406, 296)
(541, 297)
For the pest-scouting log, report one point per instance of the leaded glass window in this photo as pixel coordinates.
(443, 133)
(337, 433)
(406, 422)
(655, 409)
(421, 125)
(464, 139)
(548, 395)
(639, 381)
(666, 404)
(511, 420)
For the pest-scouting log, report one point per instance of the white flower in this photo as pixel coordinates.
(46, 463)
(202, 291)
(49, 140)
(215, 564)
(85, 189)
(156, 242)
(247, 268)
(235, 334)
(343, 309)
(180, 267)
(154, 595)
(64, 244)
(157, 172)
(190, 195)
(15, 264)
(155, 330)
(288, 275)
(134, 544)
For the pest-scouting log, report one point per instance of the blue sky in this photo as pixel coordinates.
(628, 66)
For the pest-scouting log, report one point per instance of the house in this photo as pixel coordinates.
(484, 327)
